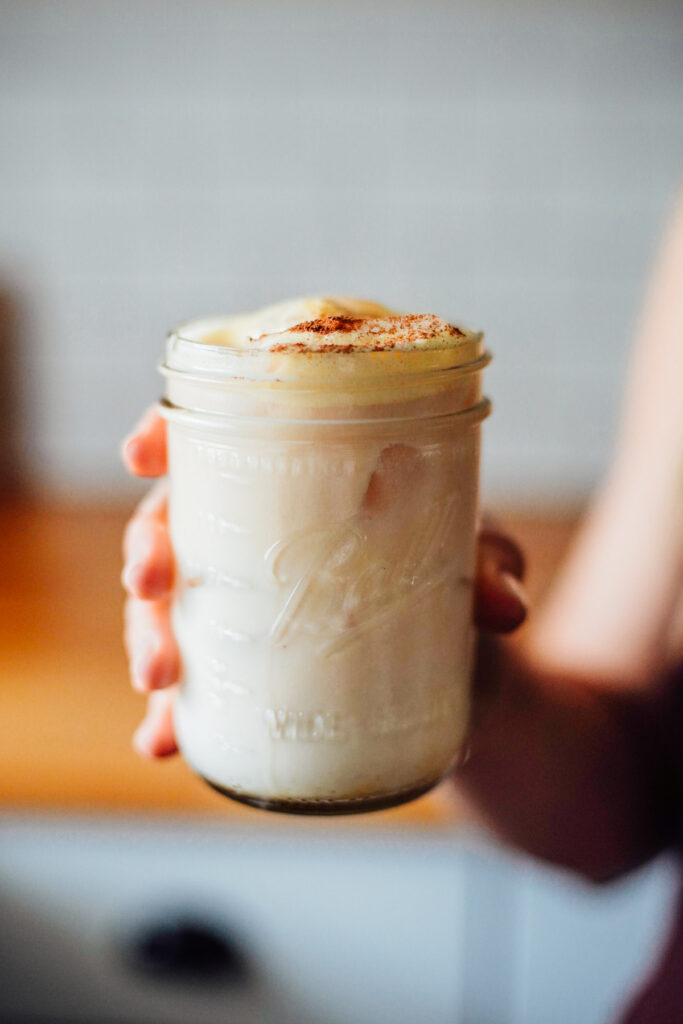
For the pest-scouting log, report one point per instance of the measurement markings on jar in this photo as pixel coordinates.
(220, 681)
(234, 478)
(236, 635)
(208, 575)
(220, 685)
(223, 743)
(221, 525)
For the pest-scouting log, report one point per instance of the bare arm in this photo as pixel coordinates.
(614, 602)
(570, 761)
(582, 774)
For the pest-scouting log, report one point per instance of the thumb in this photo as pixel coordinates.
(500, 600)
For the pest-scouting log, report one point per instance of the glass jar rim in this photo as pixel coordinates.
(439, 422)
(190, 358)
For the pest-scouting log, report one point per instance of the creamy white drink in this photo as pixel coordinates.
(323, 463)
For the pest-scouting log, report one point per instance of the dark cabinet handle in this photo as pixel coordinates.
(186, 949)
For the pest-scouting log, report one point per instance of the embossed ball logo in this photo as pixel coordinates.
(339, 587)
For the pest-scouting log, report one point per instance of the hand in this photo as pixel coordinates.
(148, 577)
(500, 601)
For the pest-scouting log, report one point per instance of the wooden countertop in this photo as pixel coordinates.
(66, 710)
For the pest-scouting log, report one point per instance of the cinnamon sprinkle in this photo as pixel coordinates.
(404, 330)
(330, 325)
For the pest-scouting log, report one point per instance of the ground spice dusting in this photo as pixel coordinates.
(330, 325)
(405, 330)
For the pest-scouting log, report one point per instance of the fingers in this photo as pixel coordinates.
(144, 450)
(155, 737)
(500, 602)
(148, 576)
(396, 472)
(152, 651)
(148, 571)
(501, 548)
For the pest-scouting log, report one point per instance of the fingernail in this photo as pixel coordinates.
(139, 581)
(142, 738)
(127, 448)
(129, 575)
(143, 579)
(514, 587)
(137, 678)
(142, 668)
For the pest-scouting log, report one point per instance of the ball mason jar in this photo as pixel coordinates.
(322, 516)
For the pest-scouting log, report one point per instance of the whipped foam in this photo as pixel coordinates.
(335, 325)
(313, 348)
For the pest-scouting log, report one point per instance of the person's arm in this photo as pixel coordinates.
(570, 760)
(581, 774)
(614, 601)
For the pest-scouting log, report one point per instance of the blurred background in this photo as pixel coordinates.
(507, 163)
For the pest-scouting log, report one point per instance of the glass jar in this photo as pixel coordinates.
(322, 513)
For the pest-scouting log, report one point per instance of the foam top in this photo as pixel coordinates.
(311, 351)
(335, 325)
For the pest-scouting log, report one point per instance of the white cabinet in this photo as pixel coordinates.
(580, 949)
(341, 927)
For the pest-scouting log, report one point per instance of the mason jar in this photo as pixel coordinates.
(322, 514)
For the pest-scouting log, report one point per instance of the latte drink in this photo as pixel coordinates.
(323, 465)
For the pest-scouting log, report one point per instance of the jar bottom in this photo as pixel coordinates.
(326, 807)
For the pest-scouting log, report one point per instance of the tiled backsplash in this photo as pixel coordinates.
(510, 164)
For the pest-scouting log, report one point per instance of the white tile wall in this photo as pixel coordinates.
(510, 164)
